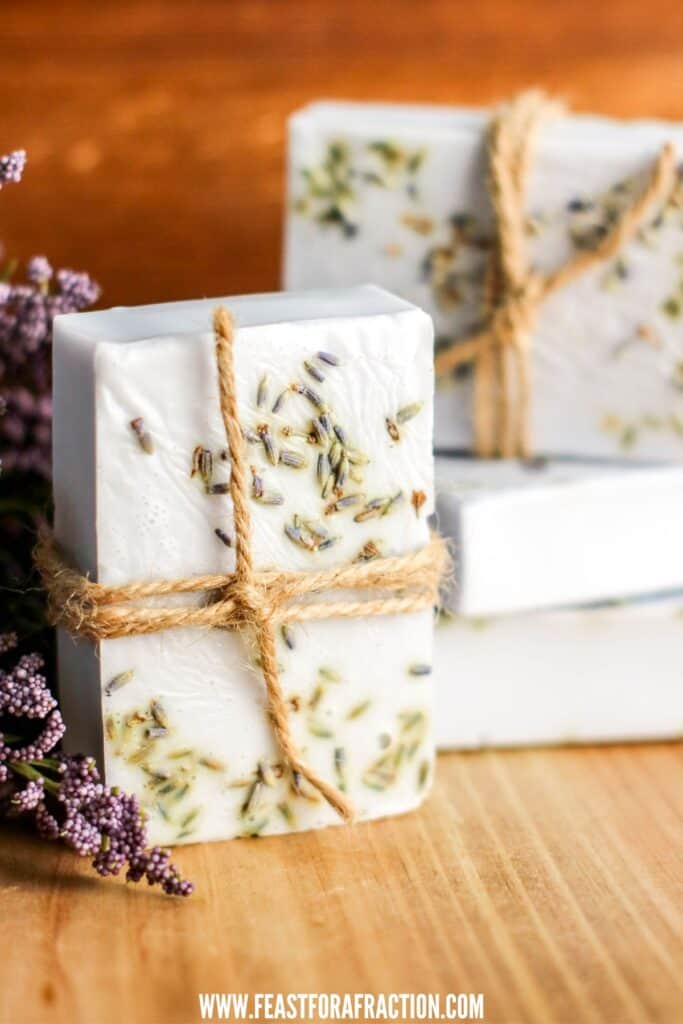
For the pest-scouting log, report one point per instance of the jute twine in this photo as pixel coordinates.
(514, 290)
(258, 601)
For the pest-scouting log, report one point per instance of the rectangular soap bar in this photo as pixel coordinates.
(545, 533)
(178, 716)
(583, 675)
(397, 195)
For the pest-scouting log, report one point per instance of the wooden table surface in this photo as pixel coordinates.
(548, 880)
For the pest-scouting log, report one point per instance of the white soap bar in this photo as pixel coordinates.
(396, 195)
(179, 715)
(545, 533)
(588, 675)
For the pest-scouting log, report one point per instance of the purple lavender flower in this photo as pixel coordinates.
(27, 311)
(38, 270)
(64, 795)
(12, 166)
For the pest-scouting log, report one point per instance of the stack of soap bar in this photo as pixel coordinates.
(546, 533)
(397, 195)
(141, 477)
(593, 674)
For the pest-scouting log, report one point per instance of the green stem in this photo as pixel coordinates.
(29, 772)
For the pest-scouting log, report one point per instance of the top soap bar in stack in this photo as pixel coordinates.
(546, 533)
(398, 195)
(142, 494)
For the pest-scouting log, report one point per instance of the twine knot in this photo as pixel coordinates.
(514, 291)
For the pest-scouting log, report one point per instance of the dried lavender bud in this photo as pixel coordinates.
(144, 438)
(222, 536)
(272, 498)
(327, 357)
(256, 483)
(122, 679)
(313, 370)
(280, 400)
(264, 433)
(202, 464)
(392, 429)
(322, 468)
(312, 396)
(408, 412)
(292, 459)
(262, 392)
(288, 636)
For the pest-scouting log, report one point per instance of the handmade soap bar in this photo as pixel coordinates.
(334, 391)
(397, 195)
(545, 533)
(582, 675)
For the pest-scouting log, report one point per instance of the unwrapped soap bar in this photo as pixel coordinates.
(141, 493)
(397, 195)
(582, 675)
(544, 533)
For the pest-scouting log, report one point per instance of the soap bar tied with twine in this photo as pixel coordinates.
(259, 601)
(514, 291)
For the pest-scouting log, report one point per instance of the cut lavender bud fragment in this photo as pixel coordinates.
(256, 483)
(144, 438)
(262, 392)
(319, 432)
(202, 464)
(322, 467)
(268, 445)
(292, 459)
(312, 396)
(279, 402)
(346, 501)
(392, 429)
(288, 636)
(327, 357)
(313, 370)
(271, 498)
(122, 679)
(408, 412)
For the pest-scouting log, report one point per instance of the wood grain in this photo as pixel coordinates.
(548, 880)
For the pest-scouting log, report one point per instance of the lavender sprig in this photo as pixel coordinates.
(64, 795)
(27, 311)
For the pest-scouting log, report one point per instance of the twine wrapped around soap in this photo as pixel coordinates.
(248, 598)
(514, 291)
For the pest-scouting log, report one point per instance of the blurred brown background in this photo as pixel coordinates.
(156, 130)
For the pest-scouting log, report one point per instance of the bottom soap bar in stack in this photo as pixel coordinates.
(598, 673)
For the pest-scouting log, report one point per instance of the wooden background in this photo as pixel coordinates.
(548, 880)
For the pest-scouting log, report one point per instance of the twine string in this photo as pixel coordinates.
(248, 598)
(513, 290)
